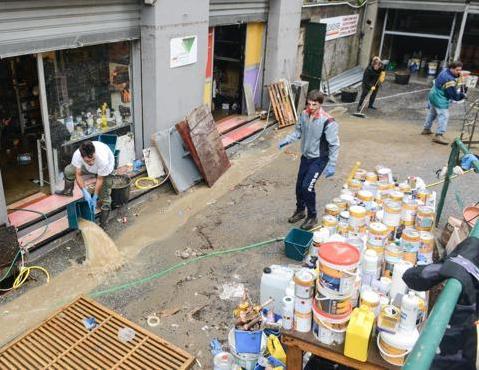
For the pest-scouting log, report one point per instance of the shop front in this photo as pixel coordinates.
(67, 76)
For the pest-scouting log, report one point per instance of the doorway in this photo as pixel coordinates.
(20, 127)
(228, 70)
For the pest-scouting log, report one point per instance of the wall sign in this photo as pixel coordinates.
(183, 51)
(337, 27)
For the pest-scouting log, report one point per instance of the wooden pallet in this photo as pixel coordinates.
(282, 103)
(62, 342)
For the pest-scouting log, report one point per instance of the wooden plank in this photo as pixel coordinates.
(242, 133)
(294, 358)
(274, 102)
(230, 123)
(205, 145)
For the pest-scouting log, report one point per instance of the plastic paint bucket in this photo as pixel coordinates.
(395, 347)
(246, 360)
(329, 329)
(392, 213)
(302, 322)
(424, 218)
(392, 255)
(432, 68)
(385, 175)
(332, 304)
(408, 212)
(426, 247)
(332, 209)
(357, 217)
(377, 234)
(410, 243)
(331, 223)
(337, 264)
(303, 305)
(304, 283)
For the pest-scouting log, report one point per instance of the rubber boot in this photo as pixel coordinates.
(67, 190)
(104, 214)
(309, 223)
(297, 215)
(438, 138)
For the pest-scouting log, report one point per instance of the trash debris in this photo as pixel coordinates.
(122, 220)
(189, 252)
(216, 347)
(232, 290)
(153, 320)
(170, 311)
(90, 323)
(205, 328)
(126, 335)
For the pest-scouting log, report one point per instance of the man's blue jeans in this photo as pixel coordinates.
(442, 116)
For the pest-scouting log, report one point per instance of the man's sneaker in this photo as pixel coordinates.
(426, 131)
(297, 215)
(438, 138)
(309, 223)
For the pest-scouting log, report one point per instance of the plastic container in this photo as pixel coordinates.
(330, 223)
(395, 347)
(402, 77)
(274, 281)
(408, 212)
(410, 243)
(426, 248)
(109, 140)
(369, 267)
(398, 286)
(319, 237)
(287, 312)
(365, 196)
(424, 218)
(392, 255)
(370, 299)
(304, 283)
(377, 234)
(302, 322)
(248, 341)
(120, 190)
(392, 213)
(337, 264)
(329, 329)
(79, 209)
(409, 311)
(388, 319)
(297, 244)
(246, 360)
(358, 333)
(396, 195)
(357, 217)
(332, 209)
(349, 95)
(340, 203)
(332, 304)
(223, 361)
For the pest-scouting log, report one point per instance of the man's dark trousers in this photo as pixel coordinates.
(309, 171)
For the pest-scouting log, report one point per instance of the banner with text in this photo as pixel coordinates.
(342, 26)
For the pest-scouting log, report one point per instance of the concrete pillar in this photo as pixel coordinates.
(169, 94)
(368, 30)
(282, 41)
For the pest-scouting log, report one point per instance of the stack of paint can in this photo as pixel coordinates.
(337, 279)
(303, 301)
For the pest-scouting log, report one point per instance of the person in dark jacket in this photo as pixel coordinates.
(373, 76)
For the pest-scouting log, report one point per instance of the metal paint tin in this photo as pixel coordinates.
(424, 218)
(302, 322)
(304, 283)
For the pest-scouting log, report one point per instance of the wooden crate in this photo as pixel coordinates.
(63, 342)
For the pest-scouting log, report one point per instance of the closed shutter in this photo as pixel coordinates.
(314, 40)
(474, 7)
(433, 5)
(223, 12)
(30, 26)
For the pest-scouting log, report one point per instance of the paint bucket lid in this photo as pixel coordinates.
(402, 339)
(370, 296)
(304, 277)
(338, 253)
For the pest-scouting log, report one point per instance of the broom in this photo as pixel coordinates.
(360, 113)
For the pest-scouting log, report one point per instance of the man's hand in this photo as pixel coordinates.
(330, 170)
(86, 194)
(382, 77)
(93, 202)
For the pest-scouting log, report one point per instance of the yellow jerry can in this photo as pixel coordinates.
(358, 333)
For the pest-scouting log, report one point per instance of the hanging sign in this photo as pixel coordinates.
(183, 51)
(342, 26)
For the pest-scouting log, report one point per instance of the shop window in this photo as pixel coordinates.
(88, 92)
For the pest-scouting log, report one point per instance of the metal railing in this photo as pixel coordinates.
(424, 351)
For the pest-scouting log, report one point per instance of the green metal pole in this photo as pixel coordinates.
(450, 165)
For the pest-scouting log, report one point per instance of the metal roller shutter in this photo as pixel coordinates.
(30, 26)
(223, 12)
(436, 5)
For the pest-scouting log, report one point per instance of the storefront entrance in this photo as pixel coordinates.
(228, 70)
(20, 127)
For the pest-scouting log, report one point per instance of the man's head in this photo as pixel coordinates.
(87, 151)
(456, 68)
(376, 63)
(315, 99)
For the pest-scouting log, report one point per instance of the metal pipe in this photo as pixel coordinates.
(314, 5)
(413, 34)
(46, 121)
(449, 43)
(457, 53)
(450, 165)
(383, 33)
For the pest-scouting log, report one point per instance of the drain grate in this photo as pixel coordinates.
(63, 342)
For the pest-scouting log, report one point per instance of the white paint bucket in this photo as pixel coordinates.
(330, 223)
(432, 68)
(385, 175)
(408, 212)
(332, 304)
(395, 347)
(377, 234)
(328, 329)
(357, 217)
(304, 283)
(303, 305)
(302, 322)
(246, 360)
(392, 213)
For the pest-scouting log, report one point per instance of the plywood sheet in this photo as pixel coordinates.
(205, 144)
(154, 166)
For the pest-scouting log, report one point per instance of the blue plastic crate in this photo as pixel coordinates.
(248, 341)
(297, 244)
(109, 140)
(78, 209)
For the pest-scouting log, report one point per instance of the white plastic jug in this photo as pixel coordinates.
(274, 281)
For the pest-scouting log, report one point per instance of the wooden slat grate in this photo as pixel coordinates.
(63, 342)
(282, 103)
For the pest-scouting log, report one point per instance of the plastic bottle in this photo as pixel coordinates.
(274, 281)
(369, 267)
(409, 312)
(358, 333)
